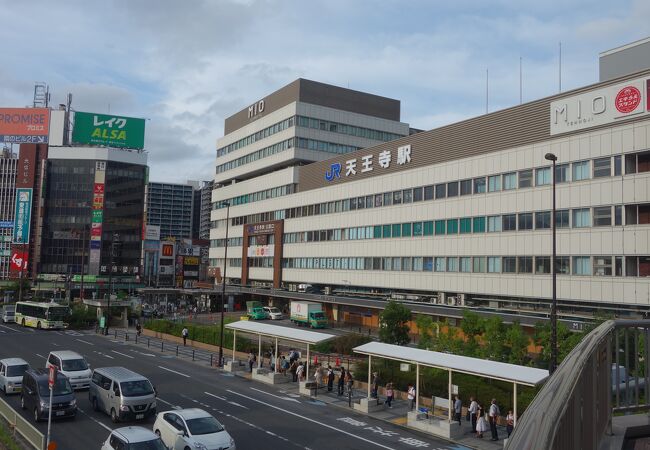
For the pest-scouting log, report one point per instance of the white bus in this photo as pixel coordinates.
(42, 315)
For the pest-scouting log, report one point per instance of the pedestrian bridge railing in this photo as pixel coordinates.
(606, 373)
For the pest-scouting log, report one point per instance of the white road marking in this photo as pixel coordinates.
(31, 329)
(167, 403)
(173, 371)
(59, 333)
(85, 342)
(237, 404)
(123, 354)
(276, 396)
(2, 331)
(215, 396)
(54, 343)
(10, 329)
(38, 354)
(311, 420)
(95, 420)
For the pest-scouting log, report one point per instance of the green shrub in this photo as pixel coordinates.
(206, 334)
(342, 345)
(80, 317)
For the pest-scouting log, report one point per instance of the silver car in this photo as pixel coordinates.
(11, 374)
(136, 438)
(122, 393)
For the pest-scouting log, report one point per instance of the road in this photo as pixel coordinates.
(254, 414)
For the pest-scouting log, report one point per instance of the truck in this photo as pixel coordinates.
(255, 310)
(308, 314)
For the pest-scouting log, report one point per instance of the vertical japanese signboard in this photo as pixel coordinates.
(23, 215)
(97, 219)
(112, 131)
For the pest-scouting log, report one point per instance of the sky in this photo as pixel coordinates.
(187, 65)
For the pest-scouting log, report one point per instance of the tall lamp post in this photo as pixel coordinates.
(23, 266)
(553, 364)
(223, 284)
(110, 281)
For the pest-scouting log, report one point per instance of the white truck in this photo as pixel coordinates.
(308, 313)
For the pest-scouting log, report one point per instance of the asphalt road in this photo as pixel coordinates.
(256, 415)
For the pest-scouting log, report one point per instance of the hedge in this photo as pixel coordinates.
(206, 334)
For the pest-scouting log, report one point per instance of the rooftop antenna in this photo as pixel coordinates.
(41, 95)
(487, 84)
(521, 82)
(560, 69)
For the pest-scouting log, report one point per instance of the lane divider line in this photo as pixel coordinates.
(95, 420)
(85, 342)
(215, 396)
(173, 371)
(123, 354)
(276, 396)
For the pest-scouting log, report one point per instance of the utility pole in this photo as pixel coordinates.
(553, 364)
(86, 230)
(223, 286)
(110, 280)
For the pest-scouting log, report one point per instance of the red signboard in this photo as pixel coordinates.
(168, 250)
(24, 125)
(51, 379)
(19, 261)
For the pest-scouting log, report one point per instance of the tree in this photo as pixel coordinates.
(473, 326)
(393, 328)
(425, 327)
(517, 341)
(493, 345)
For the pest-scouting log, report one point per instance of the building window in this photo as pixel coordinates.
(452, 264)
(618, 266)
(494, 183)
(428, 192)
(465, 225)
(603, 216)
(494, 224)
(417, 228)
(562, 173)
(427, 264)
(542, 220)
(406, 229)
(452, 226)
(580, 170)
(465, 187)
(386, 231)
(602, 266)
(417, 264)
(440, 227)
(479, 225)
(509, 222)
(617, 165)
(440, 264)
(562, 264)
(441, 191)
(509, 264)
(543, 176)
(428, 228)
(525, 221)
(562, 218)
(602, 167)
(397, 230)
(397, 263)
(397, 197)
(525, 264)
(376, 233)
(509, 181)
(479, 185)
(525, 178)
(417, 195)
(494, 264)
(407, 195)
(406, 264)
(465, 264)
(479, 264)
(542, 264)
(452, 189)
(618, 215)
(581, 265)
(581, 218)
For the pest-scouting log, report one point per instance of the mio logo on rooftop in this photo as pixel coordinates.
(384, 159)
(255, 109)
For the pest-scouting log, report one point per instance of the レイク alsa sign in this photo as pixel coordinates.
(366, 163)
(599, 107)
(111, 131)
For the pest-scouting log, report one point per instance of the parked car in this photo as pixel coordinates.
(9, 313)
(192, 428)
(35, 395)
(122, 394)
(273, 313)
(133, 438)
(11, 374)
(72, 365)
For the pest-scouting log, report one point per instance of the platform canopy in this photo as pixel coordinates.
(527, 376)
(280, 332)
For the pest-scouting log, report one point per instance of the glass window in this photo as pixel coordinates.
(494, 223)
(406, 229)
(407, 195)
(428, 228)
(542, 220)
(417, 228)
(397, 197)
(466, 225)
(525, 178)
(562, 265)
(525, 221)
(440, 264)
(618, 168)
(479, 264)
(397, 230)
(397, 263)
(417, 263)
(388, 198)
(561, 173)
(543, 176)
(406, 264)
(525, 264)
(428, 192)
(452, 226)
(479, 185)
(602, 266)
(427, 264)
(465, 264)
(509, 264)
(602, 167)
(387, 264)
(581, 265)
(452, 264)
(580, 170)
(509, 222)
(452, 189)
(417, 194)
(479, 225)
(465, 187)
(353, 205)
(618, 215)
(441, 191)
(618, 266)
(386, 231)
(562, 218)
(494, 264)
(581, 218)
(494, 183)
(542, 264)
(509, 181)
(603, 216)
(440, 227)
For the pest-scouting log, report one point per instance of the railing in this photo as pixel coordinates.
(22, 426)
(574, 408)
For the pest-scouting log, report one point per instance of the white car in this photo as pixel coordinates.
(73, 366)
(192, 428)
(273, 313)
(9, 314)
(11, 374)
(136, 438)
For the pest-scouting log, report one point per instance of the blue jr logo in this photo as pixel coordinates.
(334, 172)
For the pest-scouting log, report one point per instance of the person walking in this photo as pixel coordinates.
(185, 333)
(472, 411)
(341, 384)
(349, 382)
(510, 422)
(294, 371)
(284, 365)
(318, 375)
(375, 385)
(481, 423)
(390, 394)
(458, 408)
(300, 372)
(330, 379)
(138, 327)
(251, 360)
(410, 394)
(493, 416)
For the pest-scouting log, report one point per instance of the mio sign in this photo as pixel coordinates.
(599, 107)
(255, 109)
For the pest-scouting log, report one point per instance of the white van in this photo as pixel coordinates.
(9, 313)
(73, 366)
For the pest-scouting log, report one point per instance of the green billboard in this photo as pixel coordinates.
(108, 130)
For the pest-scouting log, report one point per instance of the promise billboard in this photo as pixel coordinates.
(24, 125)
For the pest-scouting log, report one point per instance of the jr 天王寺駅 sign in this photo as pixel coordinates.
(108, 130)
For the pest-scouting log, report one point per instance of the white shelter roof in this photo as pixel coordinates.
(280, 332)
(513, 373)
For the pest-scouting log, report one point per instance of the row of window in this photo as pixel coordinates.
(257, 196)
(565, 265)
(577, 171)
(248, 140)
(259, 154)
(342, 128)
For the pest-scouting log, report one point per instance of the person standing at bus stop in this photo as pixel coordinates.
(185, 333)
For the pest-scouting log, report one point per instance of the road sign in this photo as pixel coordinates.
(52, 446)
(51, 379)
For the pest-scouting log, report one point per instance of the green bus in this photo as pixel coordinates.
(42, 315)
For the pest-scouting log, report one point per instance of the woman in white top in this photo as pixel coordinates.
(481, 424)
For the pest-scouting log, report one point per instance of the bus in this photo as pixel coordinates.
(42, 315)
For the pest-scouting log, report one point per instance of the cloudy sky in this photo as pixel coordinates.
(186, 65)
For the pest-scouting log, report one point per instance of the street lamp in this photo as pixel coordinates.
(110, 281)
(553, 364)
(23, 265)
(223, 284)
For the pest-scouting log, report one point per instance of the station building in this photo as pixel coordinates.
(458, 216)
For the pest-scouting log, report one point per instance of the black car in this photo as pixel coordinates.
(35, 395)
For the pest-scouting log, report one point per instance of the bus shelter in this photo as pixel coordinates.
(276, 333)
(511, 373)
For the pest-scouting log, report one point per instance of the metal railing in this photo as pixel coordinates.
(21, 426)
(574, 408)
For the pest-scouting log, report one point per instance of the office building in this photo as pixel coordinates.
(202, 208)
(170, 207)
(8, 166)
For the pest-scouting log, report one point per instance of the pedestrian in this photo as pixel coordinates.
(138, 327)
(375, 385)
(410, 393)
(349, 382)
(471, 411)
(330, 378)
(493, 416)
(284, 364)
(458, 408)
(272, 362)
(341, 383)
(318, 375)
(185, 333)
(510, 422)
(300, 372)
(481, 423)
(294, 371)
(390, 394)
(251, 360)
